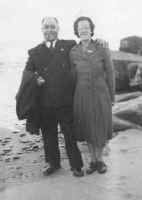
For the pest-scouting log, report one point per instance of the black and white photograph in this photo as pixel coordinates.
(70, 100)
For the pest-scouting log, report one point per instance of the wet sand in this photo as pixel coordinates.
(122, 181)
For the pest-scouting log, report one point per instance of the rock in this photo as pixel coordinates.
(121, 75)
(15, 131)
(3, 144)
(7, 150)
(19, 153)
(130, 111)
(16, 157)
(30, 148)
(128, 96)
(7, 160)
(38, 140)
(31, 143)
(24, 141)
(135, 75)
(26, 148)
(131, 44)
(22, 134)
(5, 141)
(2, 154)
(121, 125)
(35, 148)
(121, 62)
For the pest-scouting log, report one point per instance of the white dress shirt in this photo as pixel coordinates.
(48, 44)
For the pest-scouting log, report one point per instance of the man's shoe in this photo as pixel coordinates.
(78, 172)
(51, 170)
(92, 168)
(101, 167)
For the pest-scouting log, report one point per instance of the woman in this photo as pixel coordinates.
(94, 92)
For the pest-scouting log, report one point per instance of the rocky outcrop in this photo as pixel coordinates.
(130, 111)
(122, 125)
(128, 96)
(125, 65)
(131, 44)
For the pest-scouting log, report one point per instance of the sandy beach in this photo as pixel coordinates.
(24, 179)
(22, 157)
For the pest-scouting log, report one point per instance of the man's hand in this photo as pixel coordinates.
(103, 43)
(40, 81)
(113, 103)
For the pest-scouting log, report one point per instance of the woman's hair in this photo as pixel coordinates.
(83, 18)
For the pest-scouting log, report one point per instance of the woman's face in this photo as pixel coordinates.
(84, 30)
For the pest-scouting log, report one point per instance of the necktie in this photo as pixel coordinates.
(51, 45)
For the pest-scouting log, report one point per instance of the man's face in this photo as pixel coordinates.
(50, 29)
(84, 30)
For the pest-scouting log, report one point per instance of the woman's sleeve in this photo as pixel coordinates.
(110, 73)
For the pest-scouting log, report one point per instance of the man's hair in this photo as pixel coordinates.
(83, 18)
(46, 18)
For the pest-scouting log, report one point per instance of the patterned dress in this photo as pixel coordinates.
(94, 93)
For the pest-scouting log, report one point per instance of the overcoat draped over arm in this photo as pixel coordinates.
(27, 99)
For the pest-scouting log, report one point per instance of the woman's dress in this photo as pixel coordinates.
(94, 93)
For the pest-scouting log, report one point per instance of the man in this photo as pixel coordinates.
(50, 60)
(50, 67)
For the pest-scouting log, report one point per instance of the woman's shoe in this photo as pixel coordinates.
(101, 167)
(92, 168)
(51, 170)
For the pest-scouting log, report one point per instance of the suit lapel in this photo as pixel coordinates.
(59, 52)
(44, 54)
(47, 58)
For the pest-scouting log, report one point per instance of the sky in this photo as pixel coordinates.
(20, 20)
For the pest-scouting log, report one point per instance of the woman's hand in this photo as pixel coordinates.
(40, 81)
(113, 103)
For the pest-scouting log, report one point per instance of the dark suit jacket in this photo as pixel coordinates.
(54, 67)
